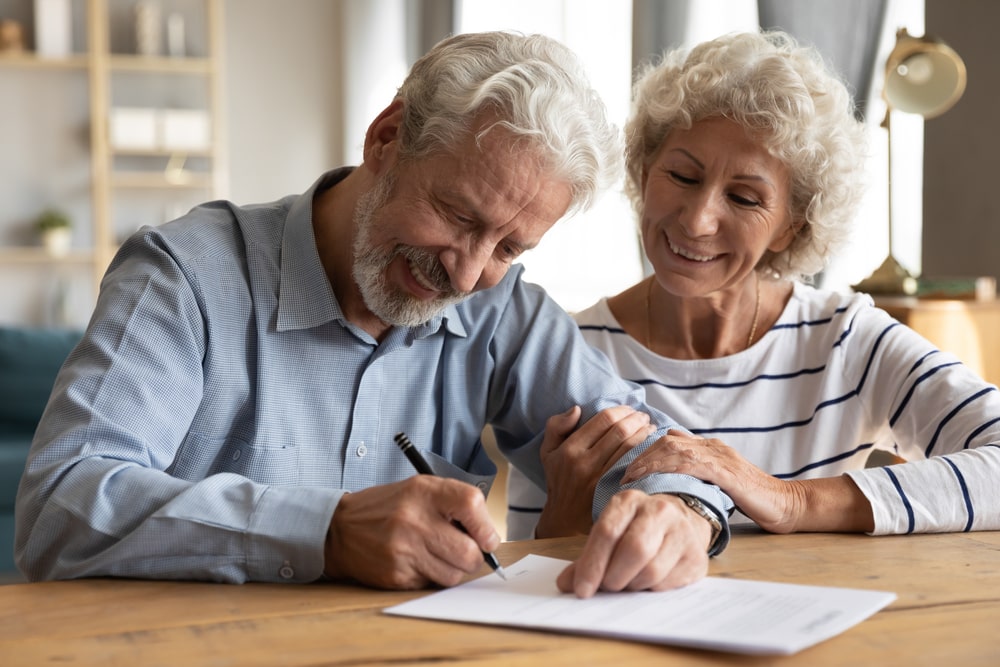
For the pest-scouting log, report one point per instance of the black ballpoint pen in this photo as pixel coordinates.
(413, 454)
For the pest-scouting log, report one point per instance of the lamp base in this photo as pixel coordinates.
(890, 278)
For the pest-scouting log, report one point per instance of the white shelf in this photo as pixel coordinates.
(154, 180)
(33, 255)
(124, 187)
(29, 60)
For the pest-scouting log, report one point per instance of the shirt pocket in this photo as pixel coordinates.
(276, 465)
(444, 468)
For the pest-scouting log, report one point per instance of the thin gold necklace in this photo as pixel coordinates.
(649, 314)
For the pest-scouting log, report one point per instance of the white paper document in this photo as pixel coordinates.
(734, 615)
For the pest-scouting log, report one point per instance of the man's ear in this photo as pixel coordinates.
(382, 137)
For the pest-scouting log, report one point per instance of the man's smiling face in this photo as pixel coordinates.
(434, 230)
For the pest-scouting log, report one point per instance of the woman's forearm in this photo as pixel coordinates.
(832, 504)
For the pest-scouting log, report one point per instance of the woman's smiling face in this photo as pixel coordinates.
(714, 201)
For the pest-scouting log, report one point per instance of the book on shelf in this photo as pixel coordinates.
(981, 288)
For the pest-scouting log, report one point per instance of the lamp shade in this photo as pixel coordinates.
(923, 75)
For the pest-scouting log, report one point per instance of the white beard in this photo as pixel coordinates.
(371, 264)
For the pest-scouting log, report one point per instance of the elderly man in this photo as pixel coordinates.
(230, 412)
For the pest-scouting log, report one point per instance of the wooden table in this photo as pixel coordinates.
(947, 613)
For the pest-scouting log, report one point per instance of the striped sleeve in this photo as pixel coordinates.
(950, 493)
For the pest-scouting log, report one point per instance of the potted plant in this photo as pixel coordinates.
(55, 229)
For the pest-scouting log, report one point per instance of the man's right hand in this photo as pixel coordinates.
(402, 535)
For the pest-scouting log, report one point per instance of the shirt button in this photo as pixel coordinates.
(286, 571)
(481, 486)
(362, 450)
(236, 455)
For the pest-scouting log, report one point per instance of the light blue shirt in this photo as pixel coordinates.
(220, 405)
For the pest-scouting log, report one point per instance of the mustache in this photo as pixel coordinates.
(432, 269)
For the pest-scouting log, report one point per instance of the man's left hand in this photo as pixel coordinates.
(641, 542)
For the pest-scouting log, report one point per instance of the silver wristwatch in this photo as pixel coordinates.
(699, 506)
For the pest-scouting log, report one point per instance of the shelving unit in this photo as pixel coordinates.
(126, 188)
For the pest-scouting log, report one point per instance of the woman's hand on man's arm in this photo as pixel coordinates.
(832, 504)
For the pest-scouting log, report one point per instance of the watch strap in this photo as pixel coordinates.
(706, 512)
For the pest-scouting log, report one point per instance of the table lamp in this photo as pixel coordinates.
(924, 76)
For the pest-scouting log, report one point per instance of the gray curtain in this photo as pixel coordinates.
(657, 26)
(427, 22)
(846, 32)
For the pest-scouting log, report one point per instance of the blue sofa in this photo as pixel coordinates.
(30, 358)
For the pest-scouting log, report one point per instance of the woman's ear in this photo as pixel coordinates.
(786, 236)
(382, 137)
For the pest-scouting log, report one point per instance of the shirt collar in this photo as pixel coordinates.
(305, 296)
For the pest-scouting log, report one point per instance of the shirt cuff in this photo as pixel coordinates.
(287, 534)
(711, 495)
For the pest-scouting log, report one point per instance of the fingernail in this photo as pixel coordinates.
(636, 472)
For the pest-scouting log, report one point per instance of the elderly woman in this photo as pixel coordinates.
(745, 167)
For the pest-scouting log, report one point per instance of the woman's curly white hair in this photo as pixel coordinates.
(784, 94)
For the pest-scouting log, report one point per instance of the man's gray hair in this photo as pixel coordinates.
(531, 86)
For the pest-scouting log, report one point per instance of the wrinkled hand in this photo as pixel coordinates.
(574, 462)
(401, 535)
(640, 542)
(772, 503)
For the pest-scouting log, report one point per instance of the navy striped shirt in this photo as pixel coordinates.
(834, 379)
